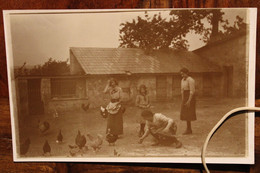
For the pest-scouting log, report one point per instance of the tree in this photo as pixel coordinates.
(238, 27)
(220, 29)
(156, 32)
(51, 67)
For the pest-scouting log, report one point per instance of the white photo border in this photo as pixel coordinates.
(248, 159)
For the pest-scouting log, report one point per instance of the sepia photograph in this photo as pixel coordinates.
(142, 85)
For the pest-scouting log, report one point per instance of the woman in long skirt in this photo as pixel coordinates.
(188, 105)
(114, 108)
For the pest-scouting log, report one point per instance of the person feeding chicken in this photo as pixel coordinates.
(161, 128)
(114, 109)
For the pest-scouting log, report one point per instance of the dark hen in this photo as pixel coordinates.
(85, 107)
(43, 126)
(72, 146)
(110, 138)
(46, 148)
(80, 140)
(59, 138)
(24, 147)
(77, 139)
(122, 110)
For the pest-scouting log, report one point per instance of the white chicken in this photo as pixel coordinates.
(43, 126)
(55, 113)
(95, 143)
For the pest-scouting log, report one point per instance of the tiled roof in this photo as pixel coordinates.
(174, 60)
(122, 60)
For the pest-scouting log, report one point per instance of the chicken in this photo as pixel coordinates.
(116, 153)
(74, 151)
(85, 107)
(103, 112)
(59, 138)
(80, 140)
(24, 147)
(110, 138)
(95, 143)
(73, 146)
(55, 113)
(123, 110)
(46, 148)
(43, 126)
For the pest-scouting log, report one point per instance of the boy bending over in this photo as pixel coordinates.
(161, 128)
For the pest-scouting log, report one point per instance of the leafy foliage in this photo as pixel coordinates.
(153, 33)
(238, 27)
(51, 67)
(156, 32)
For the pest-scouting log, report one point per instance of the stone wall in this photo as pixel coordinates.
(90, 90)
(130, 86)
(230, 53)
(206, 84)
(63, 104)
(46, 93)
(217, 84)
(94, 90)
(75, 67)
(22, 97)
(95, 86)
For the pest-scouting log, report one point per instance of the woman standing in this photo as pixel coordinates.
(114, 108)
(188, 105)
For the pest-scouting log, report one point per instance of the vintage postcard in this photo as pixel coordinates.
(144, 85)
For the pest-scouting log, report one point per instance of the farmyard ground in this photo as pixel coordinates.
(228, 141)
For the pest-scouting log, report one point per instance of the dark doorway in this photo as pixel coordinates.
(228, 81)
(35, 103)
(161, 88)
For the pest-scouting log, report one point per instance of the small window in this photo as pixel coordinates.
(63, 88)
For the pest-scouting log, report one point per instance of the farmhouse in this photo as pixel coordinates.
(231, 55)
(92, 67)
(218, 69)
(159, 71)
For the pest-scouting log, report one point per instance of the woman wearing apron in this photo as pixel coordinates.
(114, 108)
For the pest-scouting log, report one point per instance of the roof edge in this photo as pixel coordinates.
(244, 33)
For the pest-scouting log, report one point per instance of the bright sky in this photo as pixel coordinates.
(37, 37)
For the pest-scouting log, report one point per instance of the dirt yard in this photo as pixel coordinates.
(228, 141)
